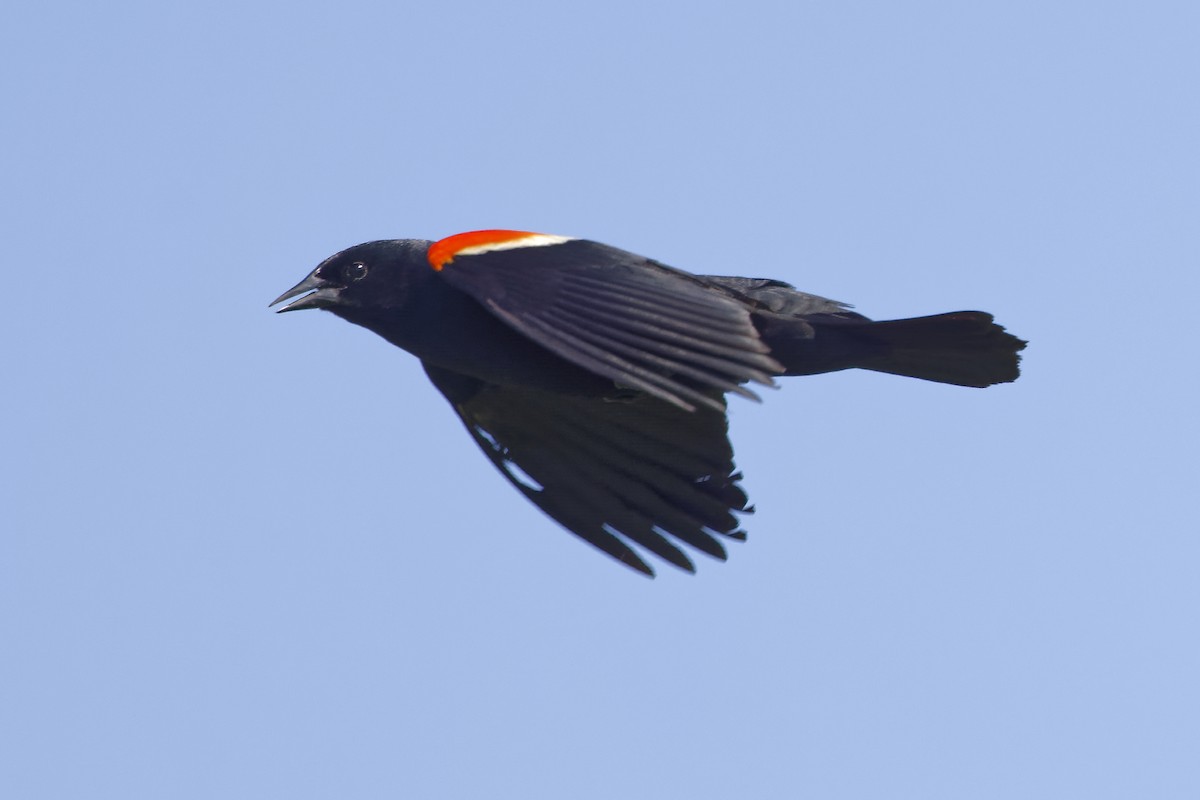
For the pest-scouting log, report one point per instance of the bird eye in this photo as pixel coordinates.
(354, 272)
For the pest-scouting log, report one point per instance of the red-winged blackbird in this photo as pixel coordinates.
(595, 379)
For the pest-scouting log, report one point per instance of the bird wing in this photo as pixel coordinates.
(615, 473)
(781, 298)
(630, 319)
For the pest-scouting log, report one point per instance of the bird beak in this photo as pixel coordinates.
(324, 294)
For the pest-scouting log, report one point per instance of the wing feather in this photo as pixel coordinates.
(621, 474)
(654, 353)
(632, 320)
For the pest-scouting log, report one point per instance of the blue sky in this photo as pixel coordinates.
(256, 556)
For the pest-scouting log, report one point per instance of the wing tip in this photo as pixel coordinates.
(634, 562)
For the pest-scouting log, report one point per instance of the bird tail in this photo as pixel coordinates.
(965, 348)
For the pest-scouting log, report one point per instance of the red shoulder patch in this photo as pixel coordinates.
(443, 251)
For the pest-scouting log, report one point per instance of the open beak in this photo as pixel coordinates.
(323, 294)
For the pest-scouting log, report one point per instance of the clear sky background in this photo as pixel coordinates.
(248, 555)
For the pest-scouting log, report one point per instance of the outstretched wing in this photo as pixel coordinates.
(630, 319)
(616, 473)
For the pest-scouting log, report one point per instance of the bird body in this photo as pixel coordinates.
(595, 379)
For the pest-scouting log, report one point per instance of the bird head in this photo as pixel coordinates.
(375, 274)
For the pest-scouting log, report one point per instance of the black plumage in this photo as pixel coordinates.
(595, 379)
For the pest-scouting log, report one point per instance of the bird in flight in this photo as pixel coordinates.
(595, 379)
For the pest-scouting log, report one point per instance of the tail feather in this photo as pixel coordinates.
(965, 348)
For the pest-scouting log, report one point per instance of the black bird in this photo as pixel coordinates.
(595, 379)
